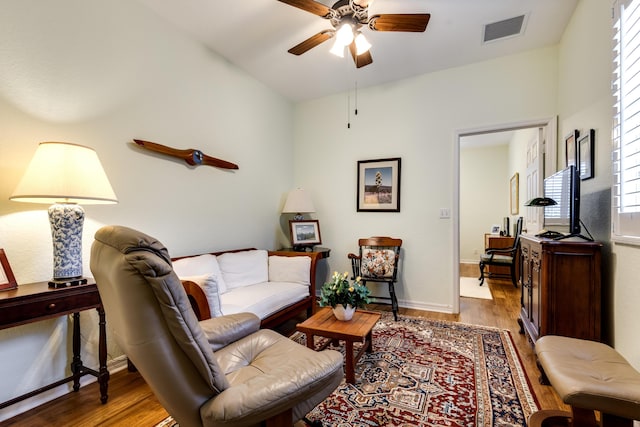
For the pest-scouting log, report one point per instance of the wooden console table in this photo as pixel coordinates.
(37, 301)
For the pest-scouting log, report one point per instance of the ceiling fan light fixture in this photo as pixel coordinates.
(362, 44)
(337, 49)
(344, 35)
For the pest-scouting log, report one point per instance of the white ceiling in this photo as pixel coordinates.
(256, 34)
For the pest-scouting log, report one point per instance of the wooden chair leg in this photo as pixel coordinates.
(394, 300)
(583, 417)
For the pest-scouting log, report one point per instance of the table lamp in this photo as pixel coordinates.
(66, 175)
(298, 202)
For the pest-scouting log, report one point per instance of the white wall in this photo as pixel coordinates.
(585, 102)
(415, 119)
(101, 74)
(484, 196)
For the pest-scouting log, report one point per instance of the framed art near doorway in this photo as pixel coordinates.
(571, 146)
(379, 185)
(514, 196)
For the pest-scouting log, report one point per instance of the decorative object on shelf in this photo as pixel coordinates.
(514, 194)
(586, 154)
(570, 142)
(304, 234)
(379, 185)
(298, 202)
(7, 280)
(344, 297)
(192, 156)
(66, 175)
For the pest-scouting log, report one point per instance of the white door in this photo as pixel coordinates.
(535, 168)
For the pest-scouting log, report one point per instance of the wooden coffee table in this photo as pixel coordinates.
(323, 323)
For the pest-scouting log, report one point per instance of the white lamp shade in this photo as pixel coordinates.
(298, 201)
(64, 172)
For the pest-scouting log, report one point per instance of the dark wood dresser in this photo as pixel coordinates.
(561, 288)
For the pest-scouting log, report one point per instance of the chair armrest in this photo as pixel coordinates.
(506, 251)
(198, 299)
(222, 331)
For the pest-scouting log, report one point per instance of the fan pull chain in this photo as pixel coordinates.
(356, 109)
(348, 110)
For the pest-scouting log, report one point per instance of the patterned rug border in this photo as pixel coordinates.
(521, 380)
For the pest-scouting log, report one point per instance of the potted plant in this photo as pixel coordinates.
(344, 297)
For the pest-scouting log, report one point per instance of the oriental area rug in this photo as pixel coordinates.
(431, 373)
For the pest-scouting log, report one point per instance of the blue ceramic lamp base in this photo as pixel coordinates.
(66, 221)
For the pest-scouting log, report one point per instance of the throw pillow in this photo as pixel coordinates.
(377, 263)
(244, 268)
(199, 265)
(209, 284)
(292, 269)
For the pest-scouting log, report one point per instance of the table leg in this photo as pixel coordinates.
(369, 342)
(103, 373)
(76, 363)
(348, 361)
(310, 343)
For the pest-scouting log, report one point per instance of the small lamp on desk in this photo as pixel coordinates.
(66, 175)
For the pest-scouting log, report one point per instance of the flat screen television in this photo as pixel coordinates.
(564, 188)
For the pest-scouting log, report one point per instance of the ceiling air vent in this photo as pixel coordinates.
(502, 29)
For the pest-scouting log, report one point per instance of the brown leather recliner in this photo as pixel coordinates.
(223, 371)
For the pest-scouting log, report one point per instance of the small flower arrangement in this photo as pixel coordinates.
(340, 291)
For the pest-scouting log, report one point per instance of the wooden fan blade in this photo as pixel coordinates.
(415, 23)
(311, 42)
(362, 59)
(310, 6)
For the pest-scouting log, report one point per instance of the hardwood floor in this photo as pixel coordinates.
(131, 402)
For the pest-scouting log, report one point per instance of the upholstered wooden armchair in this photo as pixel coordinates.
(377, 261)
(507, 257)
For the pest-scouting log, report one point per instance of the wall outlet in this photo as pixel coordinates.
(445, 213)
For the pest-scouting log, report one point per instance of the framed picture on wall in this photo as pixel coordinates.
(514, 196)
(570, 143)
(379, 185)
(586, 154)
(7, 280)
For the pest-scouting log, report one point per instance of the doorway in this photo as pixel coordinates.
(498, 153)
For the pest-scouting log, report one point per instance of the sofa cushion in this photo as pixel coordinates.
(199, 265)
(262, 299)
(244, 268)
(293, 269)
(209, 284)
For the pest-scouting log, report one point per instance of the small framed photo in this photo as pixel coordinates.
(7, 280)
(379, 185)
(570, 142)
(305, 232)
(586, 154)
(495, 229)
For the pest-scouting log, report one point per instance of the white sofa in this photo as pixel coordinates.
(275, 286)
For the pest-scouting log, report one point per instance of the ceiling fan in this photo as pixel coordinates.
(347, 18)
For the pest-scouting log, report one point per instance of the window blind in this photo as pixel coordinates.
(625, 154)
